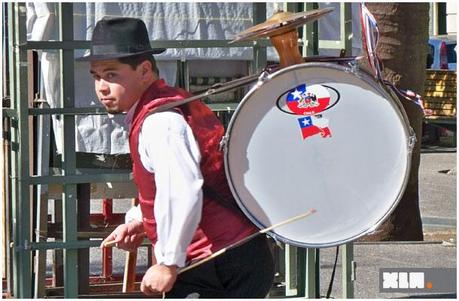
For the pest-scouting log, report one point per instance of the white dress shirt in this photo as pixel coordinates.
(168, 149)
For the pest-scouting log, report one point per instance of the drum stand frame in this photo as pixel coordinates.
(308, 263)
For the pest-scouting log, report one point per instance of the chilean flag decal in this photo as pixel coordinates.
(308, 100)
(308, 103)
(312, 125)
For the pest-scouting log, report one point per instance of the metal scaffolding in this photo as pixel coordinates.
(18, 118)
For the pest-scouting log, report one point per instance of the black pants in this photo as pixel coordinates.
(243, 272)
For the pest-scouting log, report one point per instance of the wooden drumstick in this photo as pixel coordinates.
(111, 243)
(244, 240)
(238, 243)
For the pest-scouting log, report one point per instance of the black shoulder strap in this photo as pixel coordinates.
(231, 204)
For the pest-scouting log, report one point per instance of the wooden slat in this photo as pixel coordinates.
(446, 113)
(448, 106)
(445, 81)
(440, 94)
(129, 272)
(441, 80)
(441, 88)
(441, 75)
(441, 119)
(439, 100)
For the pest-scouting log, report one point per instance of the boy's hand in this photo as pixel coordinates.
(127, 236)
(158, 279)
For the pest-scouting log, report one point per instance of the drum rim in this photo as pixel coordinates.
(370, 80)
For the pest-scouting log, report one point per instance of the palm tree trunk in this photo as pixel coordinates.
(403, 51)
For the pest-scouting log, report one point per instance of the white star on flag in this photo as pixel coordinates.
(296, 94)
(306, 121)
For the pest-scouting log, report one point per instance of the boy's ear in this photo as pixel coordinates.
(146, 67)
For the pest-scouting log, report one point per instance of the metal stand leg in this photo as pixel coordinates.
(43, 150)
(290, 269)
(348, 270)
(317, 267)
(308, 272)
(312, 280)
(84, 191)
(58, 254)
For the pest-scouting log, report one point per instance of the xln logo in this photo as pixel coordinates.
(404, 280)
(417, 280)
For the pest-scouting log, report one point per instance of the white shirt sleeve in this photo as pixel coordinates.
(133, 214)
(168, 149)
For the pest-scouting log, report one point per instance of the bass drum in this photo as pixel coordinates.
(322, 136)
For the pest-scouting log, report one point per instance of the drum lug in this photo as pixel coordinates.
(411, 140)
(222, 145)
(262, 78)
(352, 67)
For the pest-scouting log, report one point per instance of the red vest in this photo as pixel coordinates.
(220, 225)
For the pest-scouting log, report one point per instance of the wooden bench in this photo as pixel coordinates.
(440, 98)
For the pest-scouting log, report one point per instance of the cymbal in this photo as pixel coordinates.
(279, 23)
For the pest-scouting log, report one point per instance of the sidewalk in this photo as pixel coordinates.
(371, 257)
(437, 189)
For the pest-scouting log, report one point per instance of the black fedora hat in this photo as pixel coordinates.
(114, 38)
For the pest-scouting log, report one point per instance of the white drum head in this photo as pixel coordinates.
(351, 167)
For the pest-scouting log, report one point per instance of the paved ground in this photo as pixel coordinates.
(371, 257)
(437, 185)
(437, 180)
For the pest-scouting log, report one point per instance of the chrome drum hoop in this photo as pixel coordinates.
(367, 125)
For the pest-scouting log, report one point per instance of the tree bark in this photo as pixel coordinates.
(403, 50)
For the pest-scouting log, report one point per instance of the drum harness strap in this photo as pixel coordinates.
(218, 88)
(231, 204)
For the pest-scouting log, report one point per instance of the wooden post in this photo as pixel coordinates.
(129, 271)
(107, 253)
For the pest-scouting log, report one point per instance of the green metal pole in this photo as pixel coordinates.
(294, 260)
(346, 26)
(69, 196)
(259, 52)
(13, 153)
(310, 289)
(317, 271)
(310, 34)
(22, 265)
(348, 270)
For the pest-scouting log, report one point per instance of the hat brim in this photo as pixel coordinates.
(104, 57)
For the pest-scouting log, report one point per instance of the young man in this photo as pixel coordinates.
(187, 209)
